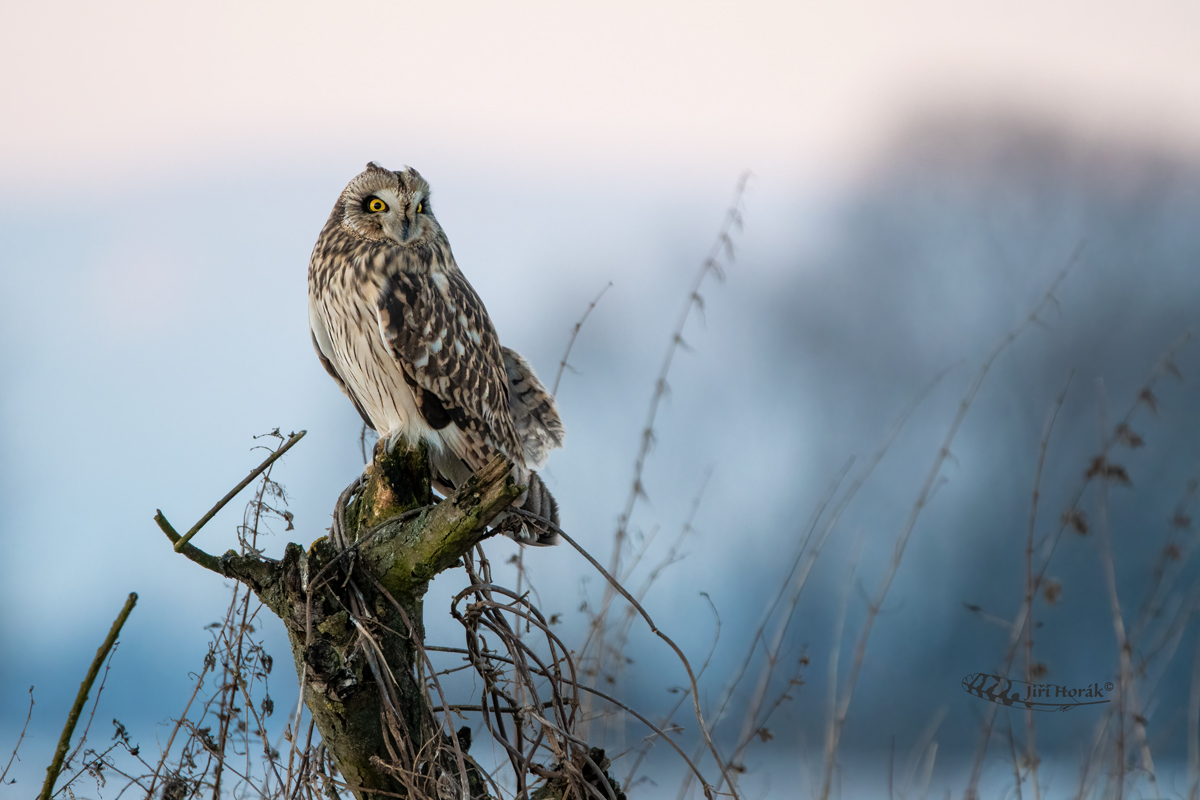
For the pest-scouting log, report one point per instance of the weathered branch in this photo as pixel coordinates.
(355, 653)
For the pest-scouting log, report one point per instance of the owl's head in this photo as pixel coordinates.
(392, 207)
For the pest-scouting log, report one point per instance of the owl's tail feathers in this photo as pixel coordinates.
(537, 508)
(539, 427)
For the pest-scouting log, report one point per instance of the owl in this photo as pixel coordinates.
(396, 323)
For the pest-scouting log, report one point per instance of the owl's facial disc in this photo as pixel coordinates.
(398, 217)
(389, 207)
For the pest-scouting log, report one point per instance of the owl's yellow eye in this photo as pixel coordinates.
(421, 207)
(376, 205)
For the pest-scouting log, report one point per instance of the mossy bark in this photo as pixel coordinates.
(310, 594)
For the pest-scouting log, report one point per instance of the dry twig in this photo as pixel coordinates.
(64, 741)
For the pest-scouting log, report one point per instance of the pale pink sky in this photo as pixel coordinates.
(93, 89)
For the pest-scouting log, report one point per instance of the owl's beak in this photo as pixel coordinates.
(408, 226)
(401, 228)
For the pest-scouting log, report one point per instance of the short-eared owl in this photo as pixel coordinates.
(400, 329)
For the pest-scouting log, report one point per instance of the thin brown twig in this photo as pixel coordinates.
(413, 636)
(481, 709)
(1162, 649)
(835, 648)
(1171, 560)
(20, 739)
(64, 741)
(562, 365)
(1193, 729)
(710, 265)
(657, 730)
(488, 612)
(1164, 646)
(803, 562)
(241, 663)
(262, 728)
(735, 681)
(683, 695)
(1126, 690)
(1016, 761)
(233, 668)
(654, 629)
(809, 527)
(1048, 547)
(254, 473)
(806, 558)
(921, 747)
(1031, 587)
(893, 566)
(362, 444)
(1144, 398)
(672, 556)
(673, 552)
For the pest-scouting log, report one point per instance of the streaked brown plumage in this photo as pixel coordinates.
(397, 325)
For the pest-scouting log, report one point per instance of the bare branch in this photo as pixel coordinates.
(64, 741)
(20, 739)
(923, 497)
(254, 473)
(562, 365)
(654, 629)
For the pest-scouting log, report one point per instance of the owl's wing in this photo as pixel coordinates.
(324, 347)
(534, 412)
(440, 334)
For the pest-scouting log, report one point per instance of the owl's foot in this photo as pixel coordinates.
(381, 449)
(534, 520)
(385, 445)
(538, 500)
(525, 528)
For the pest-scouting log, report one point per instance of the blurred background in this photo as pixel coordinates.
(922, 172)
